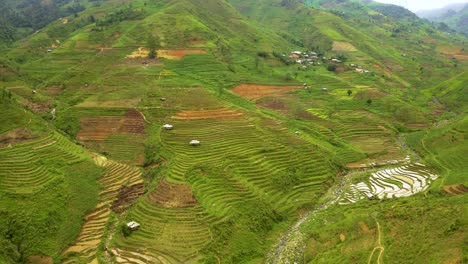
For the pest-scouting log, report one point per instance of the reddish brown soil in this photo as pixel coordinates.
(275, 105)
(456, 189)
(127, 195)
(177, 54)
(170, 195)
(15, 136)
(133, 122)
(99, 128)
(207, 114)
(40, 260)
(429, 40)
(255, 91)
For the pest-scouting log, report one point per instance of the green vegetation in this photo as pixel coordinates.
(83, 150)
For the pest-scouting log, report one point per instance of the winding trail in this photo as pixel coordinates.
(292, 244)
(378, 247)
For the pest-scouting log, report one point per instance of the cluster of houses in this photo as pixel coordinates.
(310, 58)
(359, 68)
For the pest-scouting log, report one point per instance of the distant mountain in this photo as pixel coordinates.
(454, 16)
(440, 12)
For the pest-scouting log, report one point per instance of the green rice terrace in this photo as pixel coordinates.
(228, 131)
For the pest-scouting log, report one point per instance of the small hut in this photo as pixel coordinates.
(162, 99)
(194, 142)
(133, 225)
(325, 89)
(168, 126)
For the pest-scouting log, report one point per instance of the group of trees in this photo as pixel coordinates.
(32, 14)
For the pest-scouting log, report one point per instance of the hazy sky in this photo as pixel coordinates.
(415, 5)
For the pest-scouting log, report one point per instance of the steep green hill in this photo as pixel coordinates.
(373, 100)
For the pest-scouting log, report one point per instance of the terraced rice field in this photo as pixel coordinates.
(120, 136)
(255, 91)
(23, 167)
(368, 134)
(204, 185)
(177, 54)
(456, 189)
(402, 181)
(208, 114)
(86, 245)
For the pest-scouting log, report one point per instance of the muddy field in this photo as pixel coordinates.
(127, 195)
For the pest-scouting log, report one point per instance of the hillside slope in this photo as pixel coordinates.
(273, 106)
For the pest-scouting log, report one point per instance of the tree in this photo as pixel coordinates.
(350, 92)
(331, 67)
(152, 45)
(369, 101)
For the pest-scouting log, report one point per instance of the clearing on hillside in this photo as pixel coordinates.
(207, 114)
(171, 54)
(343, 46)
(177, 54)
(255, 91)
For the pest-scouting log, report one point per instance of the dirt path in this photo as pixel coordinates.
(378, 247)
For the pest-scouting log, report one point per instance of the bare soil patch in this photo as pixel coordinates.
(456, 189)
(15, 136)
(171, 195)
(208, 114)
(343, 46)
(40, 260)
(139, 53)
(429, 40)
(255, 91)
(177, 54)
(133, 122)
(127, 195)
(275, 105)
(99, 128)
(37, 107)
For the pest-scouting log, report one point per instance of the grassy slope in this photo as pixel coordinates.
(96, 55)
(352, 233)
(45, 189)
